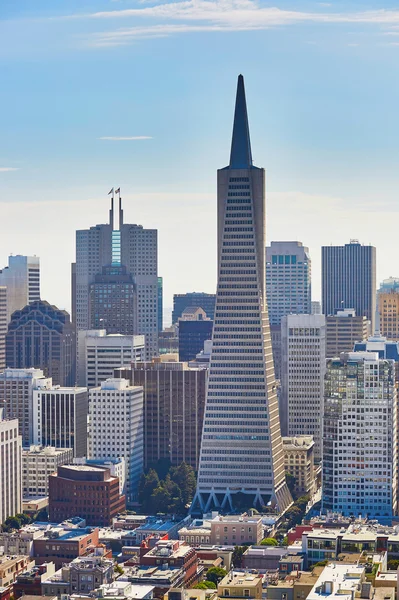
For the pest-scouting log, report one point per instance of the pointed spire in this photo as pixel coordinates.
(240, 156)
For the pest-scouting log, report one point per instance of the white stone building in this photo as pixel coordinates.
(38, 463)
(116, 428)
(10, 468)
(100, 354)
(303, 354)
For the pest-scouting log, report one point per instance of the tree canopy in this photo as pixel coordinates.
(168, 495)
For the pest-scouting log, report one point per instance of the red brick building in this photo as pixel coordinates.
(174, 554)
(63, 545)
(87, 491)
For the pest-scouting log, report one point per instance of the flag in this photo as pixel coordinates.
(111, 191)
(118, 191)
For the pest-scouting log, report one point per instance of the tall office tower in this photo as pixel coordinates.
(388, 309)
(160, 304)
(60, 418)
(174, 401)
(195, 328)
(16, 397)
(182, 301)
(349, 279)
(42, 336)
(303, 344)
(316, 307)
(384, 348)
(3, 325)
(38, 463)
(10, 469)
(113, 301)
(100, 354)
(120, 435)
(129, 247)
(343, 330)
(22, 279)
(359, 439)
(241, 450)
(288, 288)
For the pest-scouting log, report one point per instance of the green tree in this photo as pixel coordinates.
(269, 542)
(176, 504)
(24, 519)
(291, 482)
(236, 558)
(160, 500)
(12, 523)
(118, 569)
(216, 574)
(393, 564)
(184, 477)
(148, 483)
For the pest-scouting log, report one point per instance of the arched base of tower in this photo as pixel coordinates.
(230, 501)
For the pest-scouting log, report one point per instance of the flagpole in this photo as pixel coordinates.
(120, 208)
(111, 212)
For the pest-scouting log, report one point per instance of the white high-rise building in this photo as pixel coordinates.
(16, 396)
(60, 416)
(241, 447)
(3, 325)
(100, 354)
(10, 468)
(22, 279)
(38, 463)
(360, 437)
(303, 357)
(123, 246)
(116, 428)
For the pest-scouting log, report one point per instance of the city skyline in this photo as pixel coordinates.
(325, 130)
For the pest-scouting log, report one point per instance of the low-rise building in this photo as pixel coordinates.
(61, 545)
(236, 530)
(38, 463)
(161, 578)
(299, 462)
(11, 567)
(263, 558)
(161, 527)
(338, 581)
(30, 582)
(172, 553)
(86, 490)
(241, 585)
(83, 575)
(124, 590)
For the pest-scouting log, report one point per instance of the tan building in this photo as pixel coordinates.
(232, 530)
(11, 566)
(344, 329)
(299, 462)
(240, 585)
(388, 306)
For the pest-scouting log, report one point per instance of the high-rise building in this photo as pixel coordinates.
(349, 279)
(22, 279)
(183, 301)
(38, 463)
(195, 328)
(359, 439)
(116, 428)
(343, 330)
(288, 280)
(392, 283)
(113, 301)
(388, 308)
(42, 336)
(16, 397)
(10, 468)
(316, 307)
(3, 325)
(174, 401)
(303, 343)
(86, 490)
(132, 249)
(241, 448)
(100, 354)
(160, 304)
(60, 418)
(384, 348)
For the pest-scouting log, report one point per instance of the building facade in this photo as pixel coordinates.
(174, 402)
(10, 468)
(42, 336)
(113, 301)
(302, 376)
(100, 354)
(388, 308)
(38, 463)
(133, 250)
(299, 462)
(241, 449)
(16, 397)
(349, 279)
(360, 437)
(193, 333)
(60, 418)
(22, 279)
(343, 330)
(183, 301)
(3, 325)
(116, 428)
(88, 491)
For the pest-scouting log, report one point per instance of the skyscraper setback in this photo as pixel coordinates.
(241, 450)
(117, 263)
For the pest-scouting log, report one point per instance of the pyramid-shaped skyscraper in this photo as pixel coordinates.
(241, 462)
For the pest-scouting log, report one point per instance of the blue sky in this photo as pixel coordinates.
(322, 83)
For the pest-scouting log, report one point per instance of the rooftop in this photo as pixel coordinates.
(240, 579)
(338, 581)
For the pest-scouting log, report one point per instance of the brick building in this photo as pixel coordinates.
(90, 492)
(63, 545)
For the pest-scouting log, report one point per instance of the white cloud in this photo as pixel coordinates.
(120, 138)
(7, 169)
